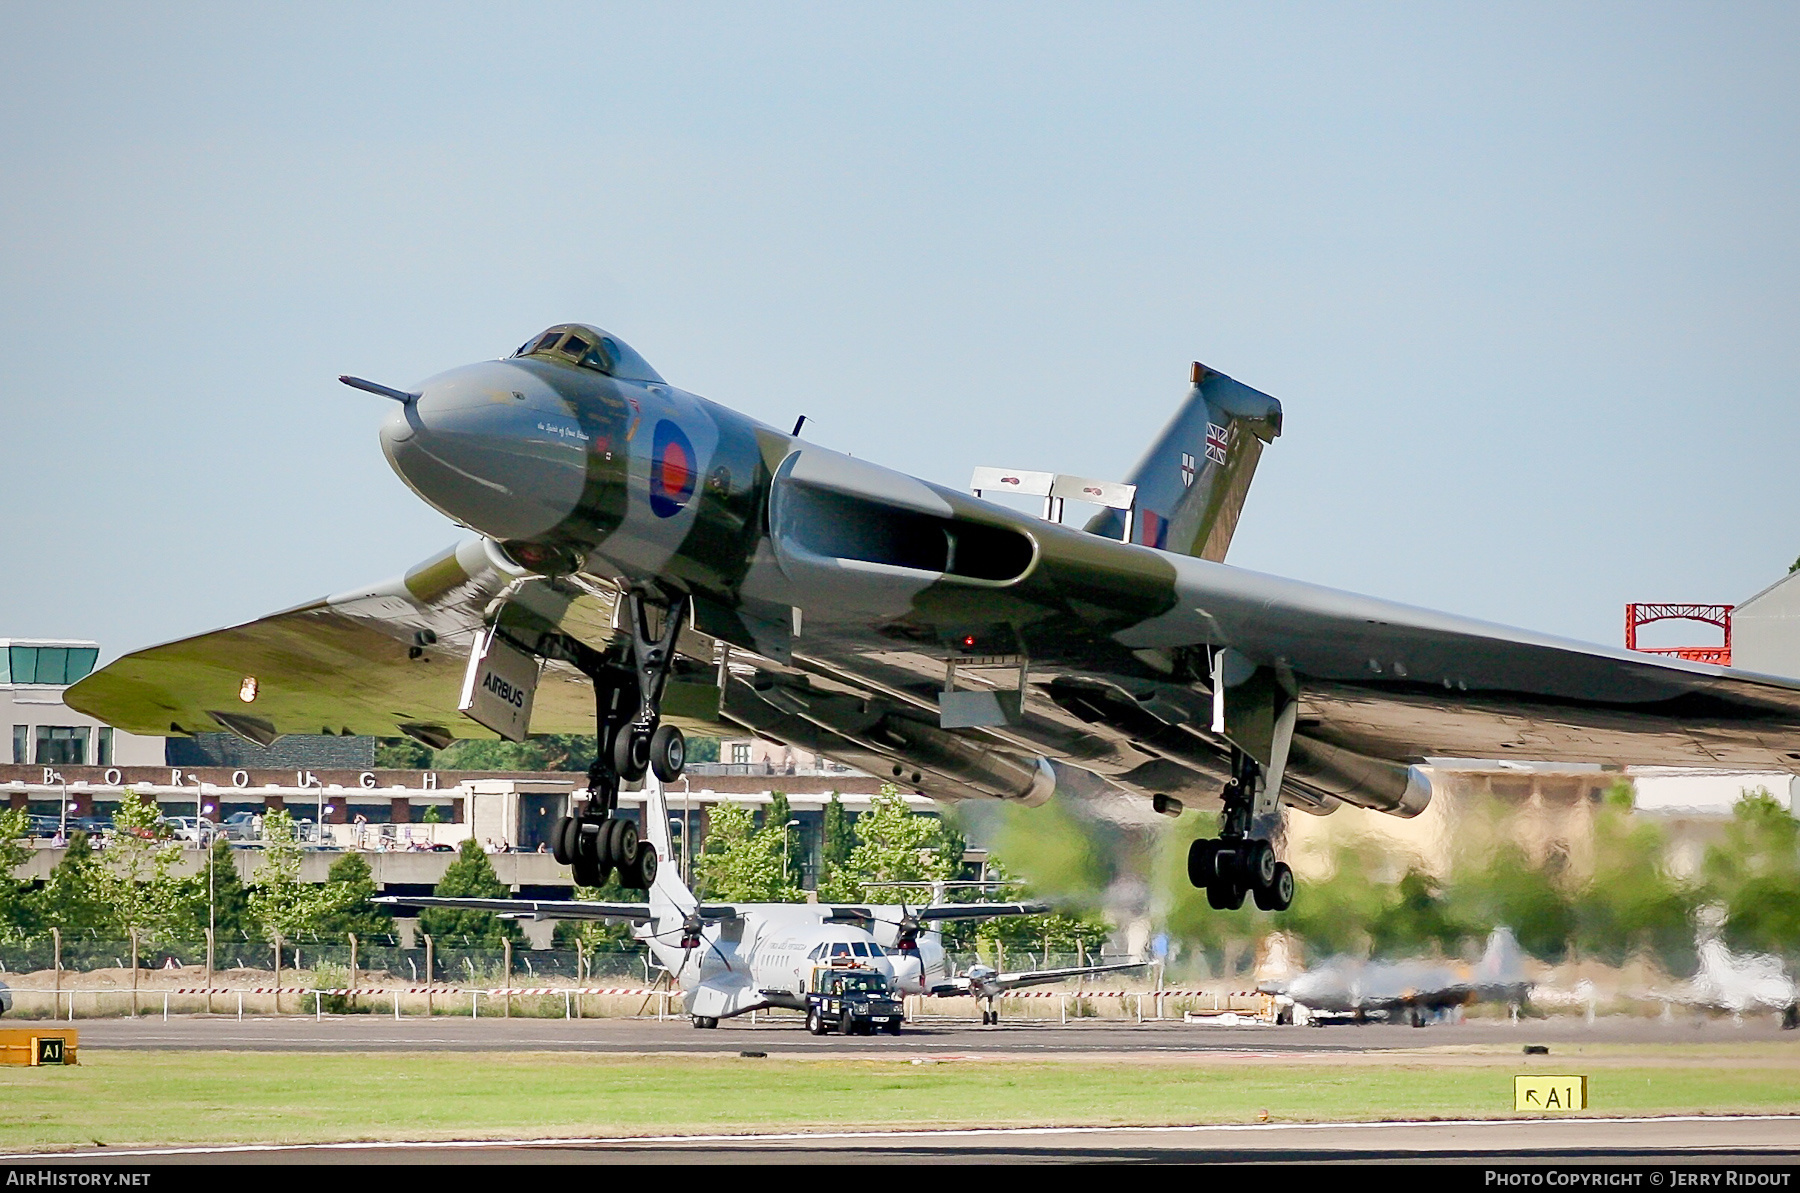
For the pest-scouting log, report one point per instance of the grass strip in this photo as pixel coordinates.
(119, 1098)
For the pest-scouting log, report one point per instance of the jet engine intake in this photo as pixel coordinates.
(1328, 772)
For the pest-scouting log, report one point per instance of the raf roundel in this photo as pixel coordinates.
(673, 470)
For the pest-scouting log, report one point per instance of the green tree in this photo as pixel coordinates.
(1754, 872)
(344, 905)
(72, 899)
(1414, 918)
(470, 876)
(281, 903)
(539, 752)
(1631, 904)
(894, 844)
(136, 877)
(227, 898)
(740, 862)
(1510, 890)
(432, 815)
(837, 838)
(18, 915)
(775, 819)
(1337, 914)
(401, 753)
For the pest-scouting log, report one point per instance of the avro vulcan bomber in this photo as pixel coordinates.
(649, 561)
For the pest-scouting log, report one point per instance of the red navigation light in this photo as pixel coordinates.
(968, 639)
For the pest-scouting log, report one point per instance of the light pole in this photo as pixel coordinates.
(792, 824)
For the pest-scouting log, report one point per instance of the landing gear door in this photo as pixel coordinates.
(499, 685)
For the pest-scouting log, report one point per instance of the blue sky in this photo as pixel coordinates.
(1524, 276)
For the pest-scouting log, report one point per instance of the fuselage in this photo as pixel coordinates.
(775, 947)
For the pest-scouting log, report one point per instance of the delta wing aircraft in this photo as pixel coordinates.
(732, 958)
(1352, 988)
(1735, 983)
(648, 560)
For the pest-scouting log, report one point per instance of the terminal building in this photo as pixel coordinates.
(45, 731)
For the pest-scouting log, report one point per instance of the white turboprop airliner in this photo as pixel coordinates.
(732, 958)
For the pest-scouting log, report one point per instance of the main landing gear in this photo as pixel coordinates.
(1236, 864)
(595, 843)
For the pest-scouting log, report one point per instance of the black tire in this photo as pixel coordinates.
(587, 872)
(815, 1023)
(571, 839)
(1280, 895)
(646, 866)
(1225, 895)
(892, 1027)
(623, 844)
(1258, 864)
(558, 836)
(846, 1026)
(668, 753)
(631, 754)
(1203, 862)
(705, 1022)
(596, 853)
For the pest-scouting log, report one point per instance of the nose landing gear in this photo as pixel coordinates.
(594, 842)
(1235, 864)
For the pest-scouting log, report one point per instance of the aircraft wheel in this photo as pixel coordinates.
(645, 867)
(705, 1021)
(571, 839)
(631, 754)
(1258, 860)
(1203, 864)
(622, 843)
(668, 753)
(586, 872)
(1790, 1018)
(1225, 895)
(558, 841)
(1280, 894)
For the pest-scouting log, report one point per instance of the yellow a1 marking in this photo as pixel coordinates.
(1545, 1094)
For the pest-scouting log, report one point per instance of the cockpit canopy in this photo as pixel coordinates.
(591, 348)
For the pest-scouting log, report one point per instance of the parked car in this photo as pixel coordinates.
(196, 830)
(240, 826)
(6, 998)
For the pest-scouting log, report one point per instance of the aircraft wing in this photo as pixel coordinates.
(1013, 981)
(1397, 682)
(978, 911)
(528, 909)
(385, 660)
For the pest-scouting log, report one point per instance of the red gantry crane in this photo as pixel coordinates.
(1716, 615)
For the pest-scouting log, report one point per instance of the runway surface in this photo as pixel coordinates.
(1748, 1140)
(787, 1037)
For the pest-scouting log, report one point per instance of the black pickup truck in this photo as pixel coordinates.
(853, 1001)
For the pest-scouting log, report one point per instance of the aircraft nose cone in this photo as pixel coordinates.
(492, 447)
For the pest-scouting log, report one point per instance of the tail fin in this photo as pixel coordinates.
(668, 894)
(1192, 482)
(1504, 962)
